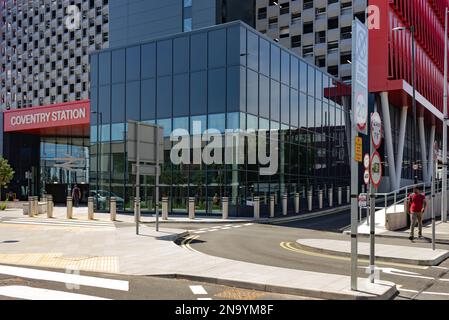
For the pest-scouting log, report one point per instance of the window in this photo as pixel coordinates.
(284, 8)
(345, 57)
(296, 41)
(307, 27)
(262, 13)
(320, 37)
(284, 32)
(332, 23)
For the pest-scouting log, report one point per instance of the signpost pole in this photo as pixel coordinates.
(157, 180)
(137, 204)
(372, 218)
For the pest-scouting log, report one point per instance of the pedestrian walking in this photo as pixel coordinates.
(76, 195)
(417, 207)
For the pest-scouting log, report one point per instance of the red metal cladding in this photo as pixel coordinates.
(390, 51)
(57, 116)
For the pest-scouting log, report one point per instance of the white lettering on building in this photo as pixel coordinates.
(46, 117)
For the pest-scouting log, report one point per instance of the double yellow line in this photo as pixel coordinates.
(187, 241)
(290, 246)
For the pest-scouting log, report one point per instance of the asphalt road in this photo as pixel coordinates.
(275, 245)
(139, 288)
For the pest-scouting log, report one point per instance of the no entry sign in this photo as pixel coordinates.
(376, 130)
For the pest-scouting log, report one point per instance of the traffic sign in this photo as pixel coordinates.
(376, 169)
(366, 161)
(358, 149)
(366, 176)
(363, 200)
(360, 75)
(376, 130)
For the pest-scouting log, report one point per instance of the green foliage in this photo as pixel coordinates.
(6, 173)
(3, 205)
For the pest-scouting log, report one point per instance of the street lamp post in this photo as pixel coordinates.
(444, 181)
(99, 115)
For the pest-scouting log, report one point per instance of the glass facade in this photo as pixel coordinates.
(227, 77)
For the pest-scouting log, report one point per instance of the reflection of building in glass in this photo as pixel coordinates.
(226, 77)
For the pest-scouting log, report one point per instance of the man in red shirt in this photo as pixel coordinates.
(418, 204)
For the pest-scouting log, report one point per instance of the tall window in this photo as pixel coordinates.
(187, 16)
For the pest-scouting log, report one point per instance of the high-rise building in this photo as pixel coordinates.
(318, 30)
(44, 53)
(134, 21)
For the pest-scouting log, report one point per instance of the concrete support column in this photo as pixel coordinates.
(191, 208)
(422, 140)
(164, 208)
(389, 139)
(331, 197)
(49, 206)
(271, 206)
(339, 195)
(402, 130)
(431, 152)
(225, 207)
(69, 214)
(113, 208)
(90, 208)
(297, 203)
(256, 208)
(284, 204)
(309, 200)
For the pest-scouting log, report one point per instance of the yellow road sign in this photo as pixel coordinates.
(358, 149)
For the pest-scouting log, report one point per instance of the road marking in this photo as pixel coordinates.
(402, 273)
(198, 232)
(218, 227)
(289, 246)
(30, 293)
(238, 226)
(65, 278)
(225, 228)
(198, 290)
(425, 292)
(61, 223)
(204, 299)
(228, 225)
(248, 224)
(212, 230)
(186, 243)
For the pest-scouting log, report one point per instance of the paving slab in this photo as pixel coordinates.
(153, 253)
(384, 252)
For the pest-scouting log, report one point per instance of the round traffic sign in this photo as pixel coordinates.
(366, 176)
(376, 130)
(361, 112)
(376, 169)
(366, 161)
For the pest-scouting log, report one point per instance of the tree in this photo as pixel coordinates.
(6, 174)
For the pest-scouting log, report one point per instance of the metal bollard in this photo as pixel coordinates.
(164, 208)
(36, 206)
(296, 203)
(225, 207)
(320, 199)
(137, 209)
(271, 206)
(90, 208)
(284, 204)
(309, 200)
(331, 197)
(348, 194)
(113, 208)
(30, 206)
(69, 207)
(339, 195)
(256, 208)
(191, 208)
(49, 206)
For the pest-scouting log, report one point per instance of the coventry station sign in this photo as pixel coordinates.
(59, 115)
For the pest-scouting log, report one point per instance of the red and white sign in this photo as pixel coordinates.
(376, 169)
(58, 115)
(376, 130)
(361, 113)
(366, 176)
(366, 161)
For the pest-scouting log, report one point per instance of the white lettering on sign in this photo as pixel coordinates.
(46, 117)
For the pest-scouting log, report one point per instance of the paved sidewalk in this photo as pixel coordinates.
(386, 253)
(120, 251)
(441, 231)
